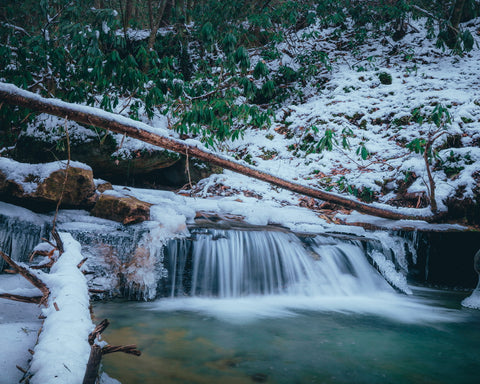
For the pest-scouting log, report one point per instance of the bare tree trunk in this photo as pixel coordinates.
(155, 22)
(454, 23)
(119, 124)
(457, 14)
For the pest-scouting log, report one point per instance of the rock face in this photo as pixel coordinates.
(99, 157)
(155, 168)
(39, 187)
(124, 209)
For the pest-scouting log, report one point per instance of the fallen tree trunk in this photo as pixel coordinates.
(120, 124)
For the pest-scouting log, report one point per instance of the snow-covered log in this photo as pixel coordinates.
(11, 94)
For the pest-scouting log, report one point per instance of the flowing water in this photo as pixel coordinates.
(243, 307)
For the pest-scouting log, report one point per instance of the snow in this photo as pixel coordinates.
(29, 176)
(388, 270)
(63, 340)
(24, 214)
(473, 301)
(62, 350)
(19, 325)
(353, 89)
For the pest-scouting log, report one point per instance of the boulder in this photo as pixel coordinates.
(124, 209)
(40, 186)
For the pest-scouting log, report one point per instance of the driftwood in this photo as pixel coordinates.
(119, 124)
(29, 276)
(96, 352)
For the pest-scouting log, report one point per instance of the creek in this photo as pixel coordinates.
(241, 306)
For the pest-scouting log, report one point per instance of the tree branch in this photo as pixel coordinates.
(29, 276)
(120, 124)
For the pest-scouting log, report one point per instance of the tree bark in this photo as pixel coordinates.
(94, 360)
(453, 28)
(155, 21)
(120, 124)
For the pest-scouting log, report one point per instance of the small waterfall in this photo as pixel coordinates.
(236, 263)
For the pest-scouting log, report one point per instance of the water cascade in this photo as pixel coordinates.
(236, 263)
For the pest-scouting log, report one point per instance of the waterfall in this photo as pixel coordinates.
(236, 263)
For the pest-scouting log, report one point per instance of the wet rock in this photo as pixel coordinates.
(124, 209)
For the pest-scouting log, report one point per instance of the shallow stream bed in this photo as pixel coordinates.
(424, 338)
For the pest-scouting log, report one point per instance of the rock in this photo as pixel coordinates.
(98, 155)
(124, 209)
(153, 168)
(40, 186)
(104, 186)
(79, 187)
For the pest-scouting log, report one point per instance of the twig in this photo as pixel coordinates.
(42, 266)
(22, 299)
(96, 352)
(130, 349)
(187, 169)
(59, 241)
(29, 276)
(66, 177)
(79, 265)
(98, 331)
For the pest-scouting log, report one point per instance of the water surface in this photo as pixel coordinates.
(391, 338)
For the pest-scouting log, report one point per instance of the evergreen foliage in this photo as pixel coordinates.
(199, 69)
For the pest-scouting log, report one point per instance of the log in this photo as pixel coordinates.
(13, 95)
(29, 276)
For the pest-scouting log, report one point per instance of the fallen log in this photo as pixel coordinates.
(13, 95)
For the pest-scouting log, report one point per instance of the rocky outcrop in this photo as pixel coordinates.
(40, 186)
(141, 165)
(124, 209)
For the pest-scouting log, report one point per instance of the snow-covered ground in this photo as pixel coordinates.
(371, 124)
(365, 115)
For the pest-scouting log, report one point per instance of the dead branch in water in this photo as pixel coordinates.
(96, 352)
